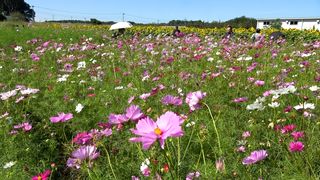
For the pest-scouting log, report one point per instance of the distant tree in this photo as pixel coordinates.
(276, 24)
(7, 7)
(95, 21)
(243, 22)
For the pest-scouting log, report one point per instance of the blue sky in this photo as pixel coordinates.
(164, 10)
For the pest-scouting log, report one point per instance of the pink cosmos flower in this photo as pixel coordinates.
(267, 93)
(68, 67)
(240, 99)
(220, 166)
(42, 176)
(131, 99)
(81, 154)
(168, 99)
(214, 75)
(34, 57)
(246, 134)
(252, 67)
(25, 126)
(149, 131)
(45, 44)
(255, 157)
(259, 83)
(297, 134)
(241, 149)
(193, 99)
(145, 96)
(106, 132)
(251, 79)
(62, 117)
(117, 118)
(193, 175)
(134, 113)
(296, 146)
(135, 178)
(146, 172)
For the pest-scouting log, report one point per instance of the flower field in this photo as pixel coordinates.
(76, 103)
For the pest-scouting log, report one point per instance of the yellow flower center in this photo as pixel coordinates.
(157, 131)
(39, 177)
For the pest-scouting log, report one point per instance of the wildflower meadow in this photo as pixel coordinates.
(76, 103)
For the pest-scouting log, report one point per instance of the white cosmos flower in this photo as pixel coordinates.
(79, 108)
(118, 87)
(9, 164)
(7, 95)
(81, 65)
(274, 104)
(314, 88)
(257, 105)
(305, 106)
(29, 91)
(144, 165)
(254, 106)
(63, 78)
(210, 59)
(18, 48)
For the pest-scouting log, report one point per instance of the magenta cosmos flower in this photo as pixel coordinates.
(193, 99)
(296, 146)
(62, 117)
(42, 176)
(297, 134)
(255, 157)
(81, 154)
(82, 138)
(149, 131)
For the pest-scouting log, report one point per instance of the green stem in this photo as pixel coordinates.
(64, 133)
(203, 157)
(169, 162)
(185, 151)
(179, 158)
(110, 165)
(215, 128)
(89, 173)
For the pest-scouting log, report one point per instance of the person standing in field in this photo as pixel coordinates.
(257, 35)
(176, 32)
(229, 34)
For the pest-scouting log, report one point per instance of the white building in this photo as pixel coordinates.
(291, 23)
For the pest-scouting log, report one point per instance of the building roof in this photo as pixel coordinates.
(270, 19)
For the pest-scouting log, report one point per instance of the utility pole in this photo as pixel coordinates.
(123, 17)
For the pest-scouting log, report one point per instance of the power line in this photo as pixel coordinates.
(67, 13)
(75, 12)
